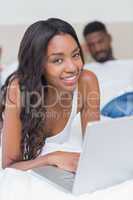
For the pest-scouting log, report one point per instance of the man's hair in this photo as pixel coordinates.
(94, 26)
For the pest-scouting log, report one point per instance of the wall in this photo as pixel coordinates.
(23, 11)
(16, 15)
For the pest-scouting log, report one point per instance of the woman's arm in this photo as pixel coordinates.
(11, 140)
(11, 133)
(89, 88)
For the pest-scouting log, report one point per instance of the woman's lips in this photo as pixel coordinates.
(71, 80)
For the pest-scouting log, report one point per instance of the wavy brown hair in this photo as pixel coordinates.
(31, 77)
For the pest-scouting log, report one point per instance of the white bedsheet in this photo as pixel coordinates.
(19, 185)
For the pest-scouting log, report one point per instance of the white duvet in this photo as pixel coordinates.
(19, 185)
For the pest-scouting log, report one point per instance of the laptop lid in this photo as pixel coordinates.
(107, 157)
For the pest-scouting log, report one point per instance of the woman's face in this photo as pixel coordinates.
(64, 63)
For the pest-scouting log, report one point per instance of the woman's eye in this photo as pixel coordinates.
(58, 61)
(76, 55)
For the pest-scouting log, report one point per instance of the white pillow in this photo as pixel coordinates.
(7, 71)
(115, 78)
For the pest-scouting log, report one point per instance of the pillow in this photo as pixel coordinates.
(7, 71)
(120, 106)
(115, 78)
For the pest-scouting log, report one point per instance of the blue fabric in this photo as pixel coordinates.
(121, 106)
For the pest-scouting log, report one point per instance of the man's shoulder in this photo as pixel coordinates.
(92, 65)
(112, 71)
(117, 64)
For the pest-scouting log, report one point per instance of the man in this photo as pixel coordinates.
(98, 41)
(115, 76)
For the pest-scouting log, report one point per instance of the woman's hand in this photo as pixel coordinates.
(64, 160)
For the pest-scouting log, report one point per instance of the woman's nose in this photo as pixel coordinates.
(70, 66)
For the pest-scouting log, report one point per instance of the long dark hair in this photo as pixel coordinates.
(31, 60)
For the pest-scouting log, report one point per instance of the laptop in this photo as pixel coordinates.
(106, 159)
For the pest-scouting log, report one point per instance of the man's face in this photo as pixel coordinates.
(99, 45)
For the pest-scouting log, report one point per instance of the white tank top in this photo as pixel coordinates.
(70, 138)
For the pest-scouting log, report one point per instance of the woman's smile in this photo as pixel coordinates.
(71, 79)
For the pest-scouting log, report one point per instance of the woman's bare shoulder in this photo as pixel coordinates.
(13, 90)
(89, 79)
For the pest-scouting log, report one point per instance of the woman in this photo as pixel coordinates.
(40, 99)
